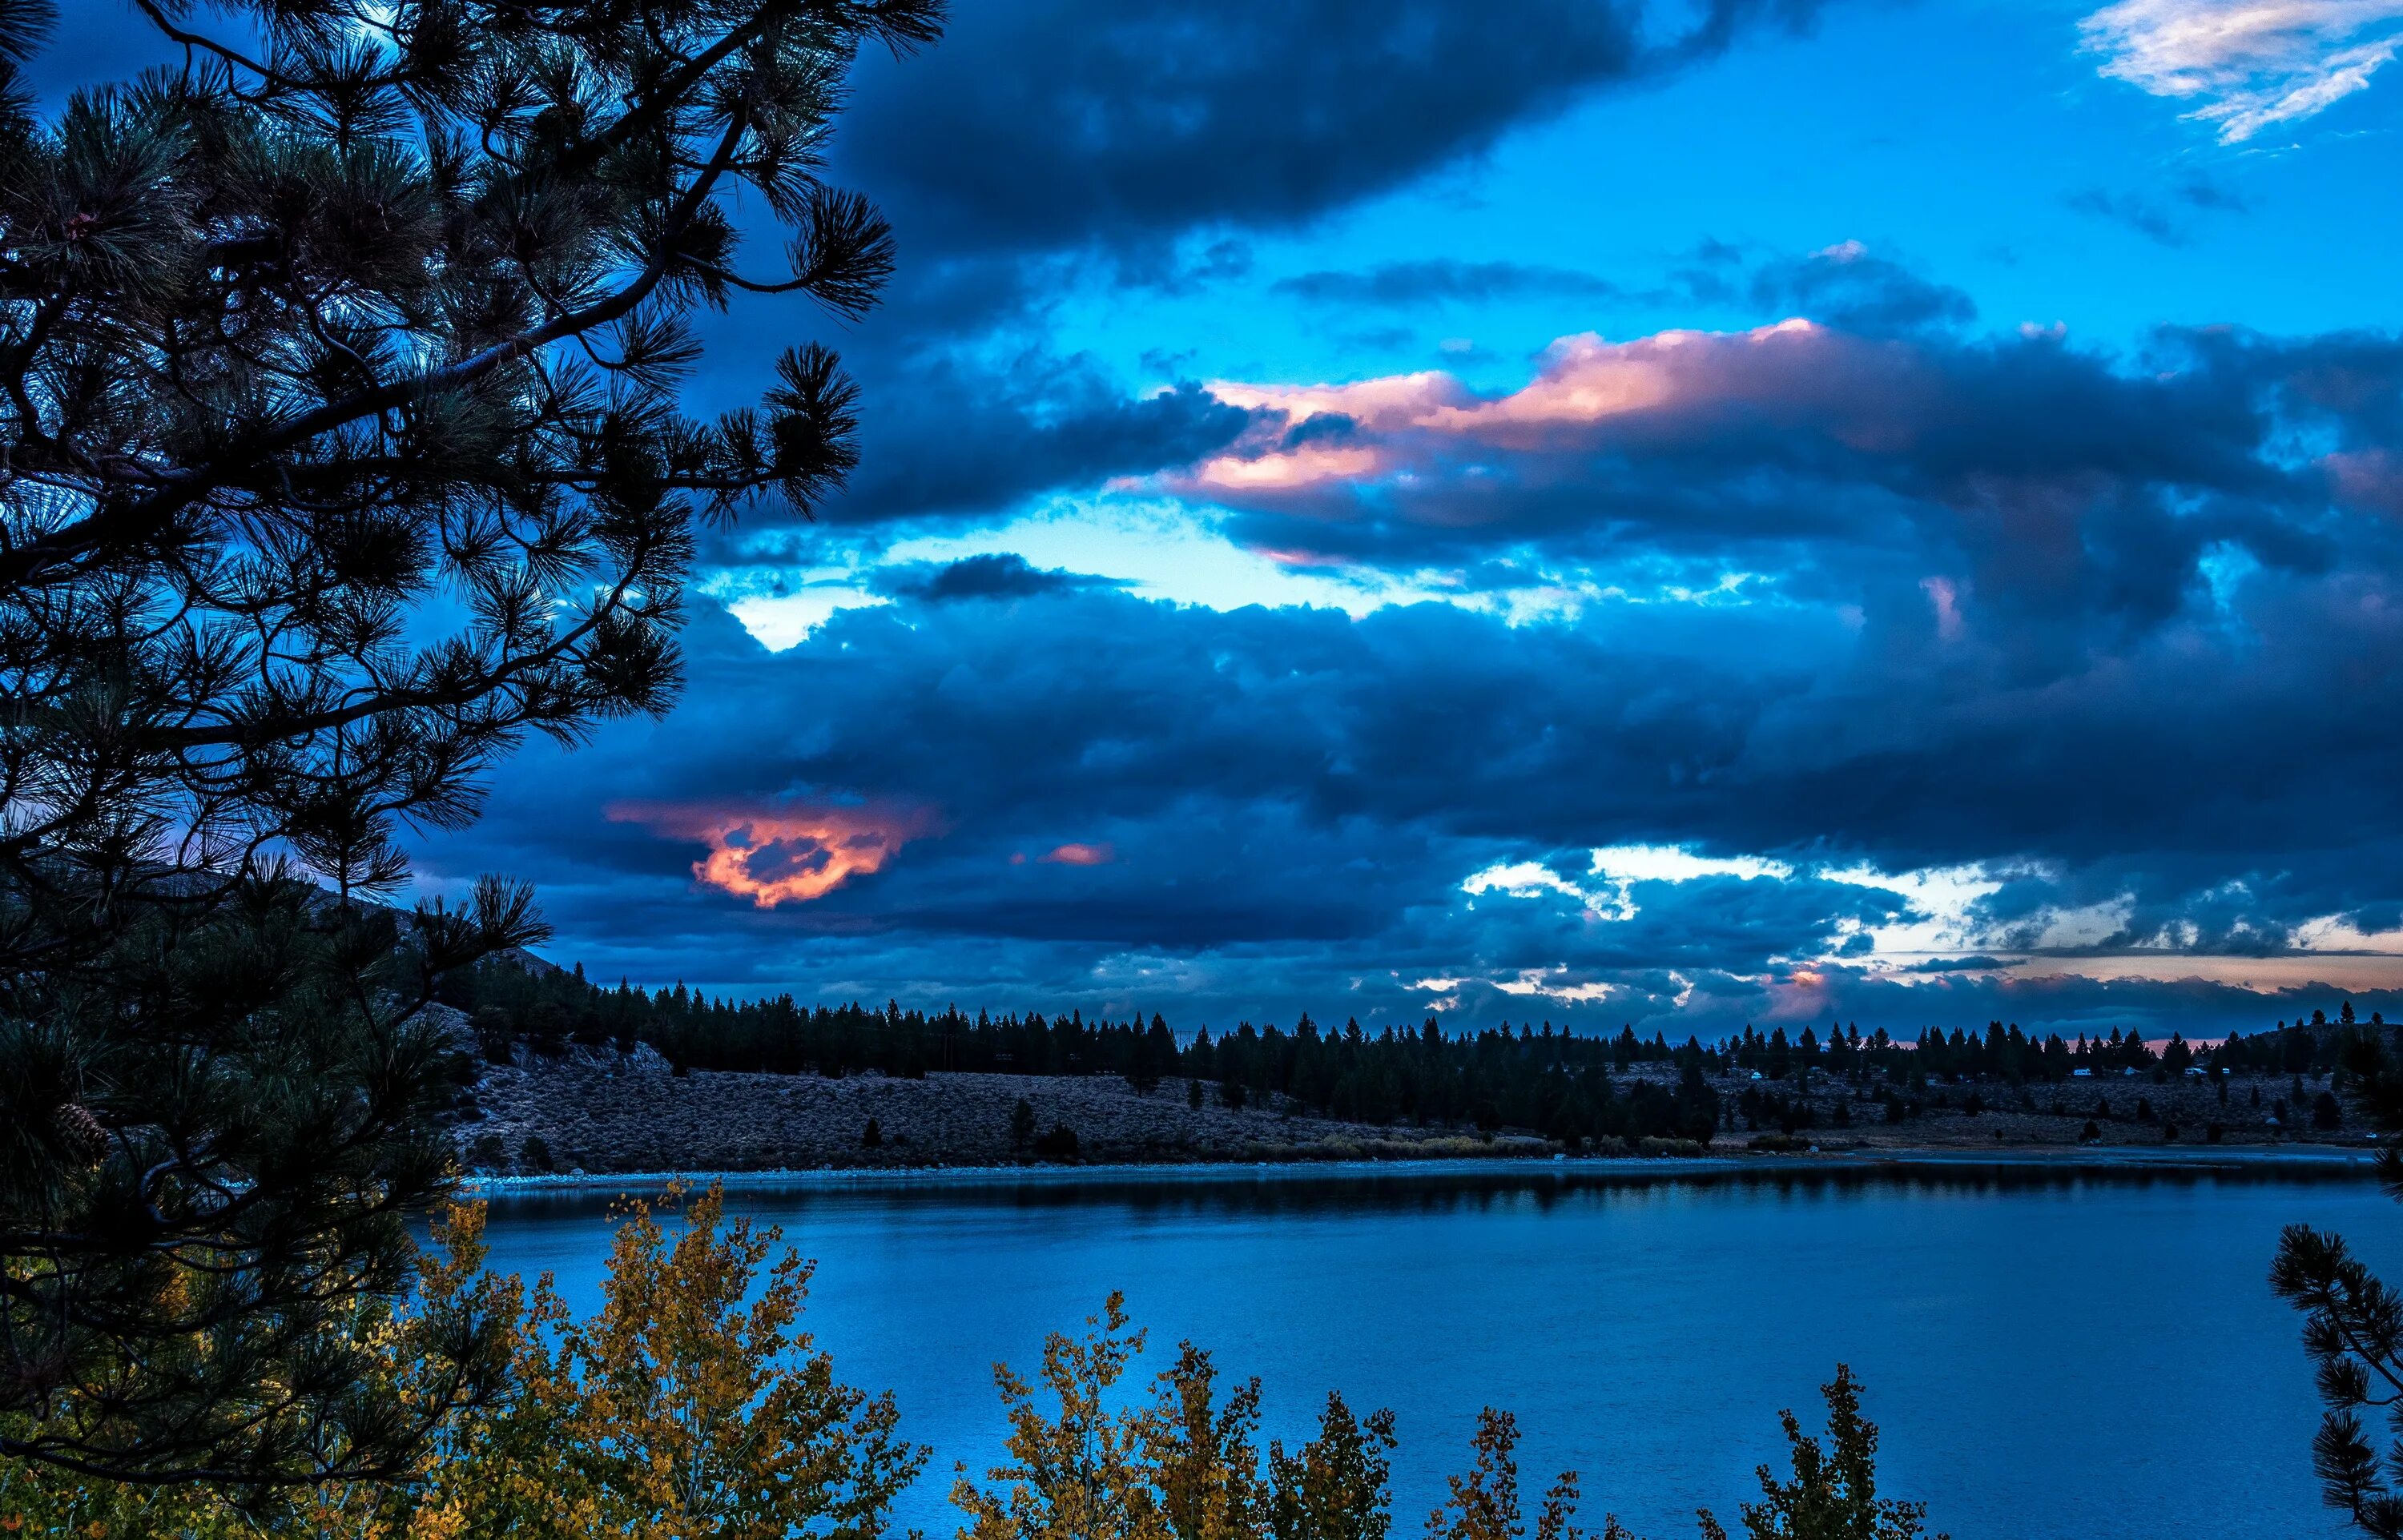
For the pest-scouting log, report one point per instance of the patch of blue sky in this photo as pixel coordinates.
(1978, 145)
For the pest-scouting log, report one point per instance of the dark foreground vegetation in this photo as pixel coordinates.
(341, 446)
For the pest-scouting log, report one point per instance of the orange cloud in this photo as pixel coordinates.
(1081, 855)
(795, 854)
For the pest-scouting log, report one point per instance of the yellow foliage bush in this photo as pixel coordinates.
(1183, 1464)
(683, 1408)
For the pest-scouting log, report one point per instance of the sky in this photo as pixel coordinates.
(1685, 515)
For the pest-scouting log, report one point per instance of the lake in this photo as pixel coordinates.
(2071, 1352)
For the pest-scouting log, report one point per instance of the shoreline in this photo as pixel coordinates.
(2324, 1162)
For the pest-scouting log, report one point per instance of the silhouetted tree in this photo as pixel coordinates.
(340, 449)
(2353, 1324)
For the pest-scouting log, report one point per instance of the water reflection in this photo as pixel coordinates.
(1398, 1188)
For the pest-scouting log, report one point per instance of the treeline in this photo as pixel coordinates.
(1558, 1082)
(1565, 1085)
(2005, 1052)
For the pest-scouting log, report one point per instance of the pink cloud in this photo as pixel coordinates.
(1076, 854)
(1653, 388)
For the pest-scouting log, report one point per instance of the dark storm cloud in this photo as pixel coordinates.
(1443, 280)
(953, 440)
(1281, 800)
(950, 436)
(1047, 123)
(992, 576)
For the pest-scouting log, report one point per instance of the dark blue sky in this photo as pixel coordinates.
(1684, 515)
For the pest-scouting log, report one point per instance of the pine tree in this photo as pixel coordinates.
(363, 317)
(2353, 1326)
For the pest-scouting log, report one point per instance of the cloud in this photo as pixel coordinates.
(1980, 585)
(1045, 124)
(2145, 218)
(948, 439)
(790, 855)
(1443, 280)
(1306, 806)
(2150, 218)
(1049, 146)
(2248, 64)
(1847, 287)
(1000, 575)
(2026, 504)
(2036, 480)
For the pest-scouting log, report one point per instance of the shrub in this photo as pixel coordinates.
(546, 1026)
(535, 1155)
(872, 1137)
(1058, 1144)
(495, 1032)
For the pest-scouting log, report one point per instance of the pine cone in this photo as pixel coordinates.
(80, 1132)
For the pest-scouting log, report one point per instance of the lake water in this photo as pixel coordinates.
(2071, 1352)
